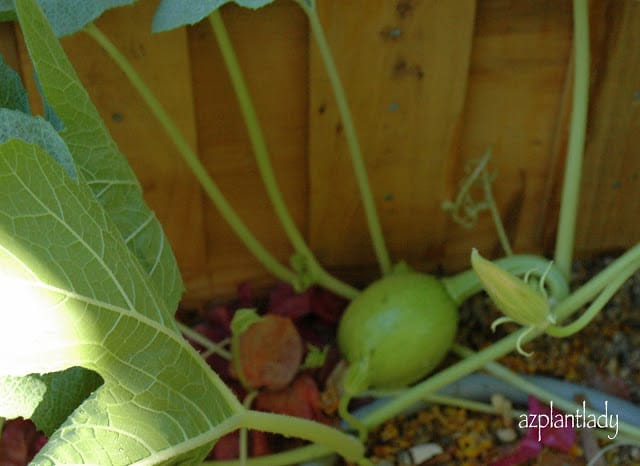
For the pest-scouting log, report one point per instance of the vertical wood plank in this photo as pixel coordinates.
(404, 65)
(609, 202)
(514, 104)
(271, 45)
(431, 85)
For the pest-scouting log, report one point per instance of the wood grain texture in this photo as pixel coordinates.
(431, 84)
(271, 45)
(515, 102)
(609, 213)
(405, 73)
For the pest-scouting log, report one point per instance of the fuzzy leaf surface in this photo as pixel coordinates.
(13, 95)
(67, 16)
(20, 396)
(84, 300)
(172, 14)
(17, 125)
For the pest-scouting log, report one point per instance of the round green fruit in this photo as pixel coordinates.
(402, 325)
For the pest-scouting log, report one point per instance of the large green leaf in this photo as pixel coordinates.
(96, 155)
(74, 295)
(47, 399)
(114, 184)
(171, 14)
(67, 16)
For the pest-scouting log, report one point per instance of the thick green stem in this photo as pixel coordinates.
(296, 456)
(541, 394)
(189, 156)
(465, 284)
(360, 171)
(573, 168)
(259, 145)
(589, 291)
(210, 346)
(595, 307)
(456, 402)
(497, 350)
(495, 215)
(443, 378)
(346, 445)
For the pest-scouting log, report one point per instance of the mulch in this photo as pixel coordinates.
(604, 356)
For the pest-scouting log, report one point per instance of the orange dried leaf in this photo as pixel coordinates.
(270, 352)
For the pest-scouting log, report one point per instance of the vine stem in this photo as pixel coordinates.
(359, 168)
(573, 169)
(500, 348)
(259, 145)
(189, 156)
(346, 445)
(473, 362)
(466, 284)
(295, 456)
(596, 306)
(210, 346)
(541, 394)
(495, 215)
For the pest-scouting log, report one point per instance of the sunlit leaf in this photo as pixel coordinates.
(74, 295)
(97, 156)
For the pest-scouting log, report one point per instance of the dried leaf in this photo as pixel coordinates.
(270, 352)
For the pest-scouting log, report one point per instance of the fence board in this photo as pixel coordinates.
(271, 44)
(405, 73)
(515, 102)
(610, 193)
(431, 85)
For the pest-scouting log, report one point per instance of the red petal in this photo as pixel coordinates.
(525, 451)
(300, 399)
(327, 305)
(284, 301)
(245, 295)
(227, 447)
(219, 316)
(259, 443)
(561, 438)
(19, 442)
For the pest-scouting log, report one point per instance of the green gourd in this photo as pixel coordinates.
(398, 329)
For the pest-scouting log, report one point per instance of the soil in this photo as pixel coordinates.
(605, 356)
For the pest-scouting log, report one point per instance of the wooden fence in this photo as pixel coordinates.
(432, 84)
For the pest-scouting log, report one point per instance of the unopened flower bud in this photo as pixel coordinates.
(517, 300)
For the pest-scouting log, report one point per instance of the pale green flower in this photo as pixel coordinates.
(517, 300)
